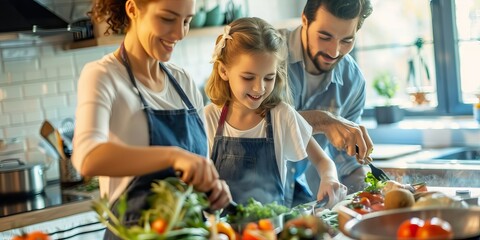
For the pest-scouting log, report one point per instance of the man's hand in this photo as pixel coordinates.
(342, 133)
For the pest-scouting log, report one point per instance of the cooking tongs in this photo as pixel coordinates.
(230, 209)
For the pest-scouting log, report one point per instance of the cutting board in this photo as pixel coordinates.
(389, 151)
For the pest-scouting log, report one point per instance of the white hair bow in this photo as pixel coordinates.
(221, 44)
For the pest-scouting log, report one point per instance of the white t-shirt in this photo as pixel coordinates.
(291, 133)
(109, 109)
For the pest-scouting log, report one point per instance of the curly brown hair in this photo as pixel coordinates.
(113, 13)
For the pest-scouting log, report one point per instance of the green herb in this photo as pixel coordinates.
(254, 210)
(374, 185)
(89, 186)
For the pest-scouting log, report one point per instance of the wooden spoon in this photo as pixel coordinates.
(53, 137)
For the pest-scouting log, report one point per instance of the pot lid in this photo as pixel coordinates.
(15, 164)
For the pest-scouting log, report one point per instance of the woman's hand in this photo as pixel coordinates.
(196, 170)
(219, 196)
(333, 189)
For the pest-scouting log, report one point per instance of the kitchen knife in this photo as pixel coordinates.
(310, 208)
(320, 205)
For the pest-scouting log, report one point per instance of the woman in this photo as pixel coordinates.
(139, 118)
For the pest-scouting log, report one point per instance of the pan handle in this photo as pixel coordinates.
(347, 217)
(17, 160)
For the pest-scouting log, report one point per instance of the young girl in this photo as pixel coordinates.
(252, 130)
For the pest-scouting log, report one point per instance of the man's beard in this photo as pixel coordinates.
(316, 58)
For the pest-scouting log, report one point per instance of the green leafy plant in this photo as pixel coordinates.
(385, 87)
(254, 210)
(173, 201)
(374, 185)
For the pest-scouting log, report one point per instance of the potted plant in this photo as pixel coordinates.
(419, 82)
(386, 87)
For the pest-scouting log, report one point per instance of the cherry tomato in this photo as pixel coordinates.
(362, 209)
(159, 225)
(435, 228)
(373, 197)
(257, 234)
(408, 228)
(377, 207)
(37, 235)
(19, 237)
(252, 234)
(251, 226)
(265, 224)
(365, 201)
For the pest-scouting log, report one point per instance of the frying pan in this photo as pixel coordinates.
(465, 222)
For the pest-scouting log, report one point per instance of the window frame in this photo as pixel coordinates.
(447, 59)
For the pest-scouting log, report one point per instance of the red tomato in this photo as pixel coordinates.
(362, 210)
(159, 225)
(435, 228)
(252, 234)
(19, 237)
(373, 197)
(257, 234)
(365, 201)
(265, 224)
(377, 207)
(37, 235)
(249, 234)
(409, 228)
(251, 226)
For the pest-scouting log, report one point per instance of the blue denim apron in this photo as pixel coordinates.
(248, 165)
(182, 128)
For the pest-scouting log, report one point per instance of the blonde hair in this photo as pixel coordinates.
(250, 36)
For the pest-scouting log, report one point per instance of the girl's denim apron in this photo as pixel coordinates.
(248, 165)
(182, 128)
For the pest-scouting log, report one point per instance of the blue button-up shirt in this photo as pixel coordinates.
(341, 92)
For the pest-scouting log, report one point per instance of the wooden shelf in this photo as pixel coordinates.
(115, 39)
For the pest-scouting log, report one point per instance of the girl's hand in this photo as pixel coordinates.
(333, 189)
(196, 170)
(220, 195)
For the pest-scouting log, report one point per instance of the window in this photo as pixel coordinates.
(428, 47)
(468, 27)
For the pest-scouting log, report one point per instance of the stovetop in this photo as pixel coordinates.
(51, 197)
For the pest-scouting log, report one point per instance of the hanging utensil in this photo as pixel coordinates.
(68, 174)
(67, 127)
(49, 133)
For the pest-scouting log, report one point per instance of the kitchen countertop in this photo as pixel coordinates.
(50, 213)
(419, 167)
(411, 161)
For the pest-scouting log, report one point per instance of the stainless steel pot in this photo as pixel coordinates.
(465, 222)
(18, 177)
